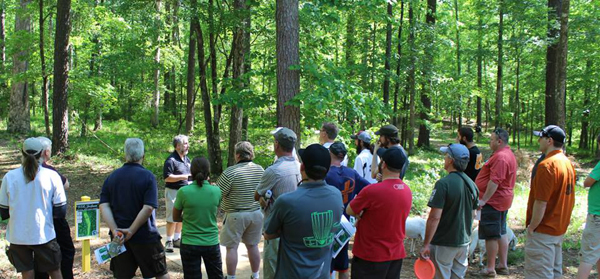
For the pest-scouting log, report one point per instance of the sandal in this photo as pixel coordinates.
(502, 271)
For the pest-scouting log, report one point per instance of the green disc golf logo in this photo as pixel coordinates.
(322, 224)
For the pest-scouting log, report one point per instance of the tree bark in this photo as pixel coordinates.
(156, 95)
(237, 112)
(398, 66)
(583, 138)
(388, 55)
(551, 105)
(458, 64)
(499, 86)
(191, 79)
(479, 71)
(423, 140)
(411, 79)
(60, 113)
(43, 68)
(288, 80)
(18, 117)
(561, 87)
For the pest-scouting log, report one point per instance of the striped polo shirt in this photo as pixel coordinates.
(238, 184)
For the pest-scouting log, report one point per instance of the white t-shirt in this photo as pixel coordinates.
(362, 165)
(30, 205)
(345, 161)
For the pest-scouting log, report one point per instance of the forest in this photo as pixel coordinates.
(219, 69)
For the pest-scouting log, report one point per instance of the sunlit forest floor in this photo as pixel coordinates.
(89, 162)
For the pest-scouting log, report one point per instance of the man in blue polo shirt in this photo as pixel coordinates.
(306, 220)
(349, 182)
(176, 172)
(128, 201)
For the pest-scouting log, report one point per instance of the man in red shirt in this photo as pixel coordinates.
(496, 182)
(382, 209)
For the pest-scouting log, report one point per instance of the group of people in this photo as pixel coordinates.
(297, 206)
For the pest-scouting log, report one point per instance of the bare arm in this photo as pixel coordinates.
(176, 177)
(271, 236)
(589, 181)
(351, 212)
(141, 218)
(539, 208)
(177, 215)
(489, 192)
(66, 185)
(107, 216)
(432, 224)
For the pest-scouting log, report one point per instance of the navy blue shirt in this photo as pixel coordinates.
(347, 180)
(127, 190)
(174, 165)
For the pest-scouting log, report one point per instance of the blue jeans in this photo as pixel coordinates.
(191, 259)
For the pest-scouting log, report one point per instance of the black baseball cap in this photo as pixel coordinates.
(552, 131)
(338, 149)
(387, 130)
(394, 157)
(315, 155)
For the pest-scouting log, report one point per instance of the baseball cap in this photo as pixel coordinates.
(338, 148)
(387, 130)
(394, 157)
(362, 135)
(456, 151)
(552, 131)
(315, 155)
(286, 137)
(32, 146)
(46, 142)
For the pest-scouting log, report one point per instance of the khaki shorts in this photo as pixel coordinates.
(242, 226)
(450, 262)
(543, 256)
(590, 240)
(45, 257)
(170, 195)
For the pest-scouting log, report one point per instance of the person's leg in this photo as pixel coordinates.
(490, 229)
(212, 262)
(231, 260)
(557, 256)
(340, 263)
(170, 195)
(442, 262)
(150, 258)
(254, 256)
(460, 263)
(584, 270)
(394, 269)
(191, 261)
(270, 250)
(503, 243)
(124, 266)
(362, 269)
(539, 256)
(67, 249)
(590, 247)
(491, 246)
(55, 274)
(27, 274)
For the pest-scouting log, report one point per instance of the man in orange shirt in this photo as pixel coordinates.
(551, 201)
(496, 182)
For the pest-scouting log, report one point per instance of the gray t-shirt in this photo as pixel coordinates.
(307, 220)
(281, 177)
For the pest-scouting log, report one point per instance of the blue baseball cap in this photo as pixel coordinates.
(456, 151)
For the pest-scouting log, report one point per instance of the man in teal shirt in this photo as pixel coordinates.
(590, 240)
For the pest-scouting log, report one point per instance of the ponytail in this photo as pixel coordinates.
(200, 170)
(30, 165)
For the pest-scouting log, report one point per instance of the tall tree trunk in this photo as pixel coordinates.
(561, 86)
(18, 117)
(60, 113)
(288, 80)
(388, 55)
(517, 105)
(398, 66)
(423, 139)
(3, 86)
(552, 63)
(167, 74)
(191, 80)
(237, 112)
(499, 87)
(458, 65)
(156, 95)
(411, 79)
(44, 75)
(583, 138)
(479, 70)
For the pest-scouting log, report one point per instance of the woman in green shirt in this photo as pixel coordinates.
(196, 206)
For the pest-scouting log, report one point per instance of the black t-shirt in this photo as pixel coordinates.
(475, 163)
(62, 177)
(174, 165)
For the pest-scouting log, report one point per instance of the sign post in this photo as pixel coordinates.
(87, 226)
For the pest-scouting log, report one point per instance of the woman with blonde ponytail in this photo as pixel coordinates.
(196, 206)
(31, 196)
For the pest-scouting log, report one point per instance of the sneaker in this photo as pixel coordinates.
(169, 246)
(177, 243)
